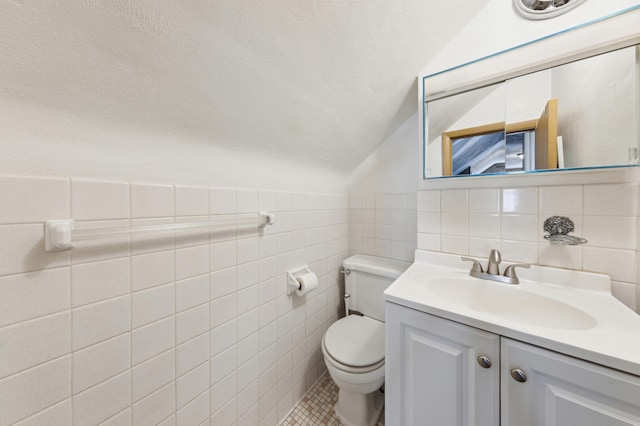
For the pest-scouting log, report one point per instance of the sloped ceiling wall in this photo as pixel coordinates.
(320, 82)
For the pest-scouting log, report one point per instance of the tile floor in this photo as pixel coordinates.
(316, 407)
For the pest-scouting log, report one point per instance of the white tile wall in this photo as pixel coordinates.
(185, 329)
(472, 221)
(194, 328)
(386, 224)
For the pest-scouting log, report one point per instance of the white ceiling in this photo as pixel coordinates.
(314, 80)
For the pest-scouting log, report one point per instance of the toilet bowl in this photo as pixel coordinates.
(353, 347)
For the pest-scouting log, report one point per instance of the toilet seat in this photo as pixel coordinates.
(355, 344)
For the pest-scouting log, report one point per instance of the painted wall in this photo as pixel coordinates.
(320, 82)
(497, 28)
(38, 141)
(602, 132)
(391, 168)
(382, 197)
(527, 96)
(471, 109)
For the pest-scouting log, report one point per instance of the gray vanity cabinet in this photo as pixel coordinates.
(443, 373)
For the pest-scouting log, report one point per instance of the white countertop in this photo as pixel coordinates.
(613, 339)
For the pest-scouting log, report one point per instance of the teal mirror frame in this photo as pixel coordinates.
(424, 99)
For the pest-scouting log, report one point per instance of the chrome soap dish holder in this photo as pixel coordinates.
(558, 227)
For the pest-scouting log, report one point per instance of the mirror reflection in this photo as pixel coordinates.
(579, 115)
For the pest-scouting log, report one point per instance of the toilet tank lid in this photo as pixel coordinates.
(376, 265)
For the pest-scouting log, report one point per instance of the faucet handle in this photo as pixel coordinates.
(477, 267)
(510, 271)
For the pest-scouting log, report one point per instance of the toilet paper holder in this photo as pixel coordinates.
(292, 282)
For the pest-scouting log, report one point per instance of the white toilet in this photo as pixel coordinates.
(353, 347)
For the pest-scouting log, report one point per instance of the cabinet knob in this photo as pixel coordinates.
(484, 361)
(518, 375)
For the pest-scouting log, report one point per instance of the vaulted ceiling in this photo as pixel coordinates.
(315, 80)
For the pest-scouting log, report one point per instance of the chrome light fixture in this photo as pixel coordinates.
(544, 9)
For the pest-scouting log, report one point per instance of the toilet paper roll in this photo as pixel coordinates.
(307, 282)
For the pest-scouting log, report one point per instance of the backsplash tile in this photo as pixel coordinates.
(565, 200)
(428, 201)
(519, 227)
(518, 251)
(610, 231)
(568, 257)
(454, 223)
(479, 247)
(611, 200)
(455, 244)
(484, 225)
(511, 220)
(520, 200)
(455, 200)
(620, 265)
(484, 200)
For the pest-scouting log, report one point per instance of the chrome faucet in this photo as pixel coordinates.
(493, 269)
(494, 261)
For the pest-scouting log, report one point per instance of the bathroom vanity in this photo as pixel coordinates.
(556, 349)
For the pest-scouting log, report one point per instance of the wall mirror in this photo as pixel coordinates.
(582, 114)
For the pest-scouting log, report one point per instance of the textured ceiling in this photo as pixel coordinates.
(315, 80)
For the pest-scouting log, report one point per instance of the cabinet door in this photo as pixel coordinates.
(563, 391)
(433, 377)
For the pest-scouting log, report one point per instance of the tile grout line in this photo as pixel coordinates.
(71, 333)
(130, 310)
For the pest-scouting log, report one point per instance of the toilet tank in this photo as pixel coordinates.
(367, 280)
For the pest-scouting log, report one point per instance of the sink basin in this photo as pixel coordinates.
(507, 300)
